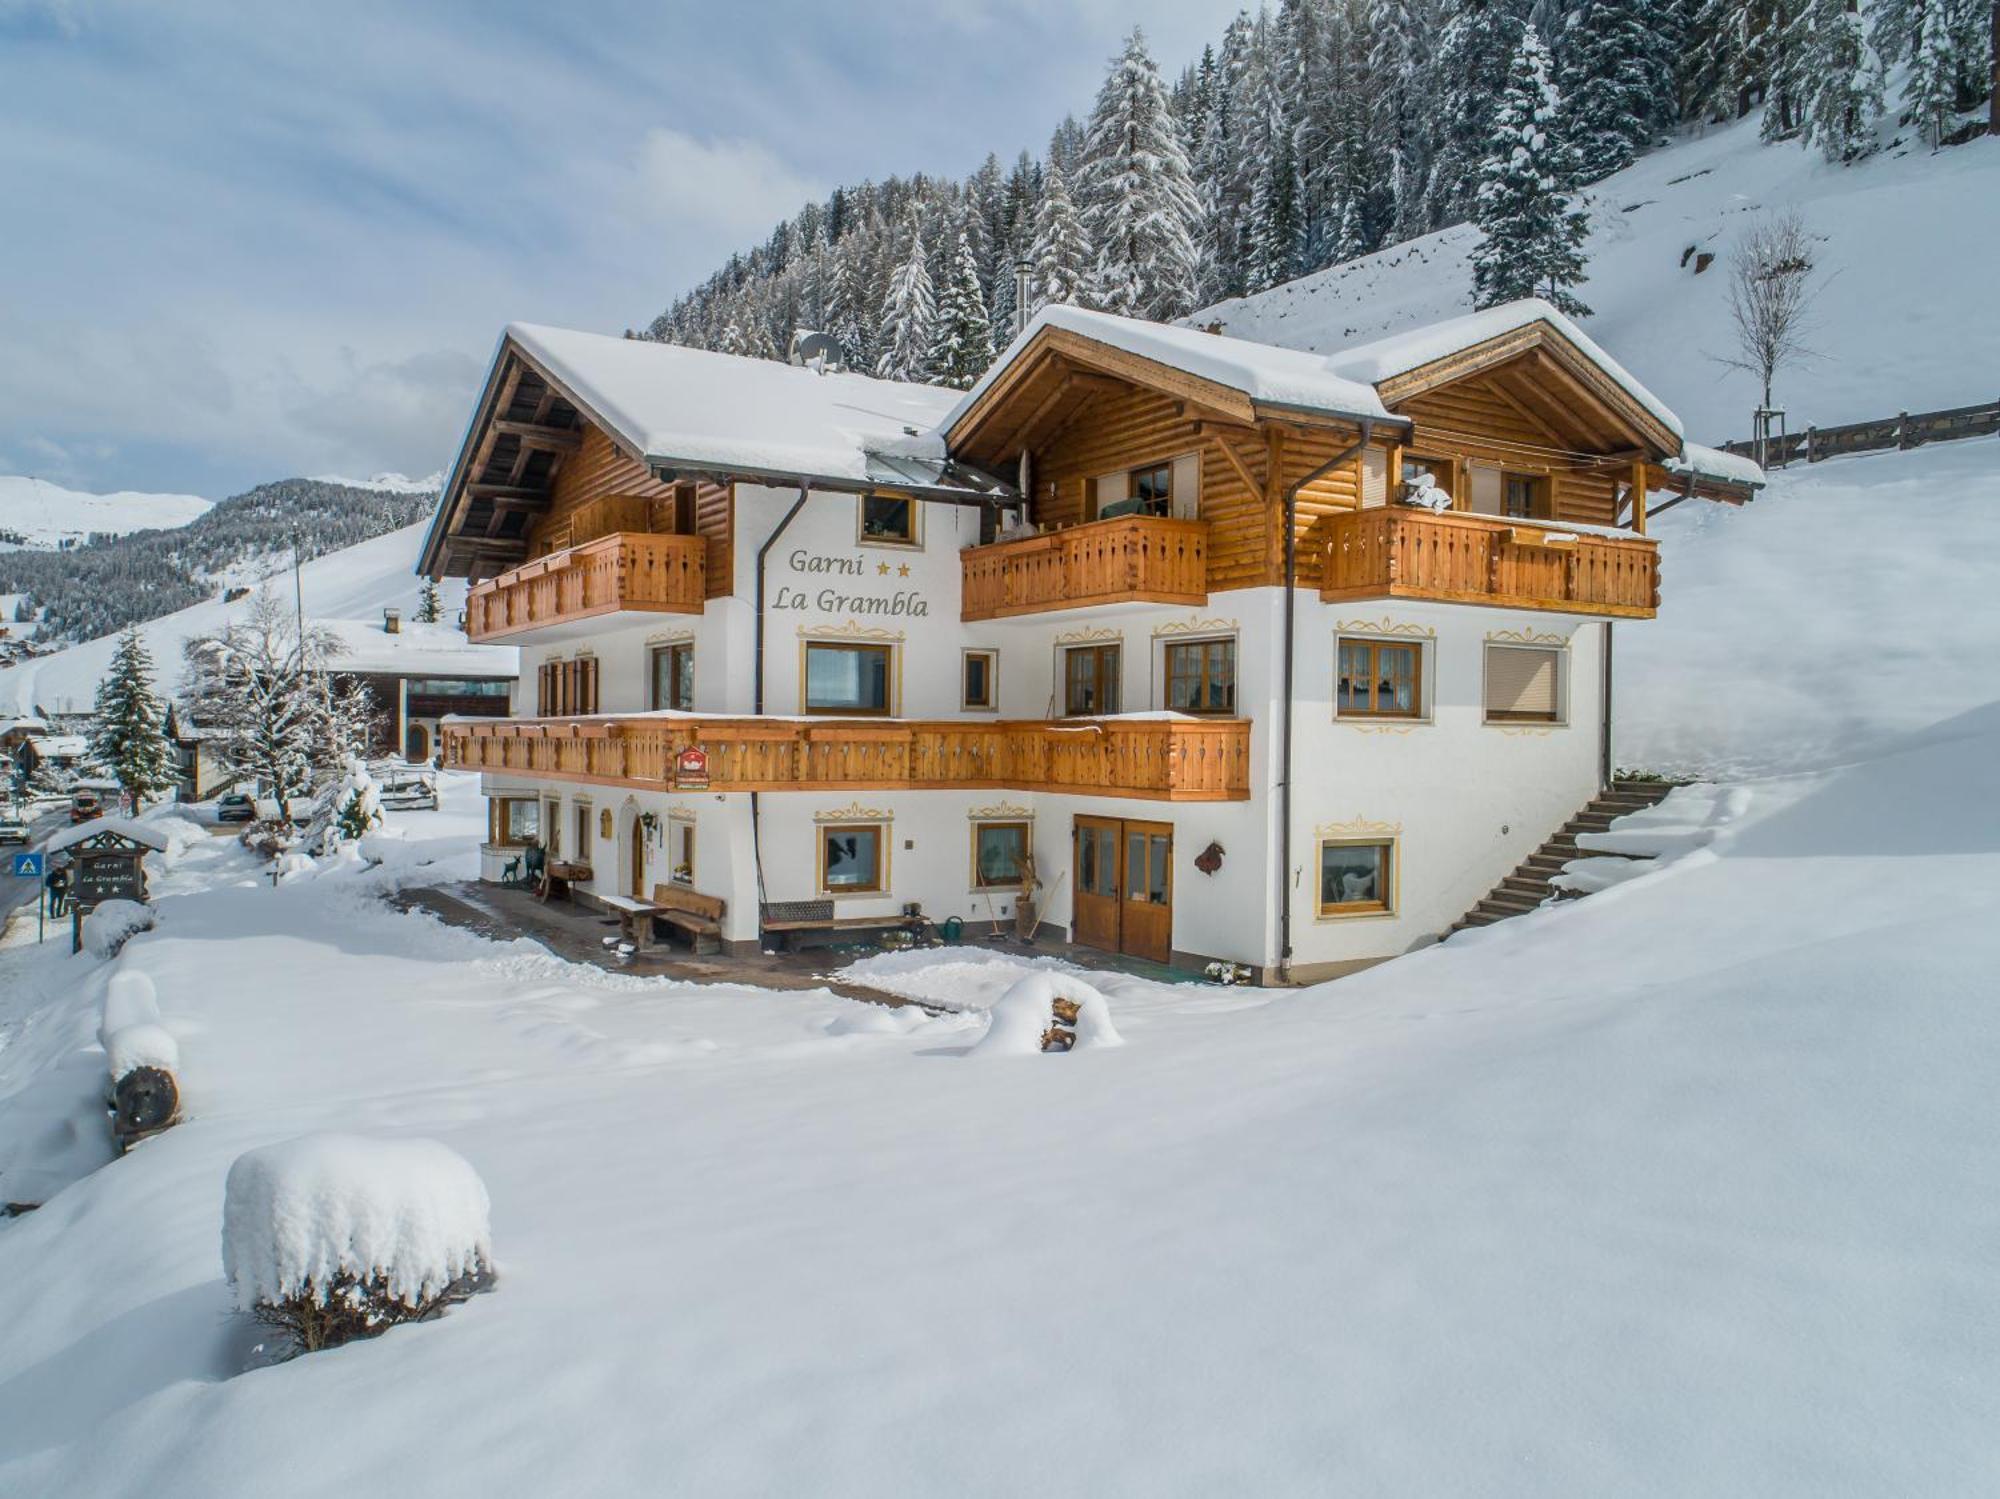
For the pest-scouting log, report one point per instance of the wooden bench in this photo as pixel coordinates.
(700, 916)
(634, 918)
(788, 917)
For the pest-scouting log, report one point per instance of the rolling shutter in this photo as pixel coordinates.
(1521, 683)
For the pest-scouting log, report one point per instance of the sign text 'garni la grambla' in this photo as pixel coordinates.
(908, 603)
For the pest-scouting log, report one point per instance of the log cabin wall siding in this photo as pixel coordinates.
(600, 470)
(1451, 422)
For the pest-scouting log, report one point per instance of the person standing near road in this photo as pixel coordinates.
(57, 881)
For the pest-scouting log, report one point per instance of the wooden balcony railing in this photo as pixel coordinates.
(1131, 559)
(1159, 759)
(627, 570)
(1399, 551)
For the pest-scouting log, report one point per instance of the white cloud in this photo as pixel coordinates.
(734, 185)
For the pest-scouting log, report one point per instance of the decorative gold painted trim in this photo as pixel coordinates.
(1527, 637)
(1096, 636)
(1001, 812)
(671, 637)
(1199, 627)
(1383, 626)
(1372, 726)
(1525, 730)
(852, 630)
(1358, 828)
(855, 812)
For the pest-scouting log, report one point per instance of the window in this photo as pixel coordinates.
(1152, 489)
(999, 851)
(1524, 497)
(1523, 684)
(1090, 679)
(889, 519)
(1437, 470)
(1357, 879)
(1148, 867)
(552, 820)
(581, 853)
(1201, 676)
(842, 678)
(680, 846)
(673, 676)
(564, 687)
(1379, 679)
(979, 681)
(851, 859)
(516, 820)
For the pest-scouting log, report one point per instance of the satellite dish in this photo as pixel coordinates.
(821, 351)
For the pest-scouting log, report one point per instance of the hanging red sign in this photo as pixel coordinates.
(691, 770)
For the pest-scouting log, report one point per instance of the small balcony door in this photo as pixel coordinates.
(1125, 886)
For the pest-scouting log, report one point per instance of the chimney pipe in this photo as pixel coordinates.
(392, 621)
(1022, 268)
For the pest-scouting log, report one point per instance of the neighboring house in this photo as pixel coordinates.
(56, 754)
(829, 643)
(15, 732)
(202, 772)
(420, 674)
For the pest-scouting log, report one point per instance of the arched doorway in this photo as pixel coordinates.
(416, 744)
(637, 844)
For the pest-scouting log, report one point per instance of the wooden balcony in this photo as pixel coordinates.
(1159, 759)
(628, 570)
(1401, 552)
(1133, 559)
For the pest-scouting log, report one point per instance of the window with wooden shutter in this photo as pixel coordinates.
(1523, 684)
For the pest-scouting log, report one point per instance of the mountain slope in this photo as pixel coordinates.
(1908, 318)
(36, 513)
(357, 582)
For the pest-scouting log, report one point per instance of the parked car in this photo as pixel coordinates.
(13, 828)
(409, 793)
(84, 805)
(234, 806)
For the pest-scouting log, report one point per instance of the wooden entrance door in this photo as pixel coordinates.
(638, 870)
(1125, 886)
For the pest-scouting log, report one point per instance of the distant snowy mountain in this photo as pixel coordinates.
(395, 483)
(35, 513)
(1908, 318)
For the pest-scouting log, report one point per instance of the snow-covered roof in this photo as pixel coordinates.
(417, 650)
(1263, 372)
(125, 827)
(1713, 463)
(730, 413)
(1385, 358)
(27, 724)
(62, 747)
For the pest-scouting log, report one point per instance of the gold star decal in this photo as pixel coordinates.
(901, 572)
(882, 568)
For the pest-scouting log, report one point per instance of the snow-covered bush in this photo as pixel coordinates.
(129, 999)
(107, 928)
(359, 801)
(1048, 1011)
(131, 1047)
(334, 1237)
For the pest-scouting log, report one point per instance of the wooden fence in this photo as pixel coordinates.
(1906, 429)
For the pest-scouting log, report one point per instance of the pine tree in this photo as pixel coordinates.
(964, 339)
(1832, 76)
(1061, 252)
(1532, 227)
(128, 735)
(1139, 203)
(1467, 82)
(1614, 79)
(908, 313)
(430, 608)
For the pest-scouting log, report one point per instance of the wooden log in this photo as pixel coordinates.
(144, 1101)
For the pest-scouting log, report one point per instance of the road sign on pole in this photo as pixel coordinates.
(28, 866)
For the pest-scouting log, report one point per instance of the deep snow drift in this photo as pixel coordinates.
(1906, 319)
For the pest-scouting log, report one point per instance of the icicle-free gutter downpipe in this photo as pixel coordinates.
(1339, 460)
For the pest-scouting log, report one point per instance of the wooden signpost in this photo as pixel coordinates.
(107, 865)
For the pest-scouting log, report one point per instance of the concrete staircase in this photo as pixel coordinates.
(1528, 886)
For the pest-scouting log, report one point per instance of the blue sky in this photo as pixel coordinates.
(243, 241)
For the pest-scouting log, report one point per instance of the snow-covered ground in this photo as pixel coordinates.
(1905, 320)
(1683, 1188)
(47, 514)
(357, 582)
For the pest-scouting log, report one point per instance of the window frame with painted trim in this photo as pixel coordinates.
(1375, 645)
(990, 665)
(500, 832)
(679, 655)
(1555, 717)
(1388, 872)
(1538, 490)
(680, 840)
(910, 537)
(581, 824)
(1097, 650)
(888, 652)
(1024, 827)
(1205, 683)
(879, 831)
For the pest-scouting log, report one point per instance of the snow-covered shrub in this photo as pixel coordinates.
(129, 999)
(334, 1237)
(1048, 1011)
(359, 801)
(131, 1047)
(112, 924)
(268, 837)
